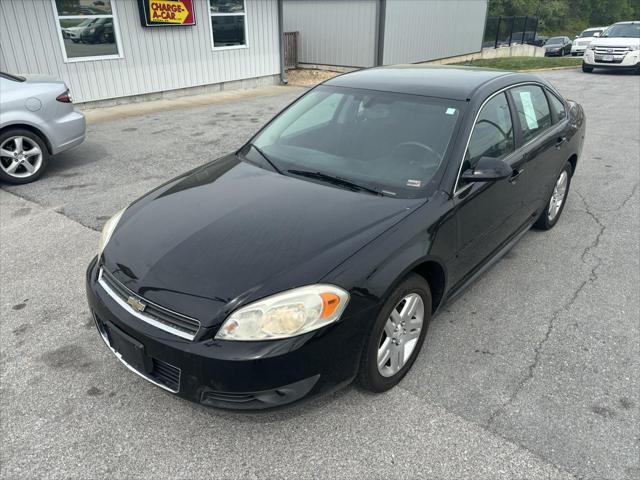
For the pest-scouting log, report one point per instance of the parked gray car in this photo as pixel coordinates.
(37, 119)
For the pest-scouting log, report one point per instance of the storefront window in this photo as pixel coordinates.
(228, 25)
(87, 29)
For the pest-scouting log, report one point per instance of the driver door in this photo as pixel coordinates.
(489, 213)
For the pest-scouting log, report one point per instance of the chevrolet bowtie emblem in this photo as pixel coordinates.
(136, 304)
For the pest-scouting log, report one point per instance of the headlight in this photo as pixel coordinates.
(286, 314)
(108, 229)
(591, 47)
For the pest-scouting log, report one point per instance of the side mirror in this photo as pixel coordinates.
(488, 169)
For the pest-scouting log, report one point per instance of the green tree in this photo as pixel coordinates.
(568, 17)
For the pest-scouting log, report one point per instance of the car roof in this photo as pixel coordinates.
(453, 82)
(627, 22)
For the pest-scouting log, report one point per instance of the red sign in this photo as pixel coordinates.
(163, 13)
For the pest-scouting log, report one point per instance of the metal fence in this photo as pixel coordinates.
(506, 31)
(291, 49)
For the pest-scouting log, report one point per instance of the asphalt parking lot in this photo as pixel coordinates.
(532, 373)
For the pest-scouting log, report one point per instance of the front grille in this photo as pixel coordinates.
(611, 50)
(163, 374)
(163, 318)
(225, 397)
(166, 374)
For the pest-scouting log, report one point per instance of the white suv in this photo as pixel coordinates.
(618, 47)
(583, 40)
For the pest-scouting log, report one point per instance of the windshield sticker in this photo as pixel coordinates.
(529, 111)
(414, 183)
(451, 111)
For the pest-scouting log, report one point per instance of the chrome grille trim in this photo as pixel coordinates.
(144, 317)
(611, 50)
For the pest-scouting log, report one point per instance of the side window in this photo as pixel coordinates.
(319, 114)
(557, 106)
(533, 110)
(492, 134)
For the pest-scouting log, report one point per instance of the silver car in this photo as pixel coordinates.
(37, 119)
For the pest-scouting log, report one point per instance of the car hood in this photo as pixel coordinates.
(616, 42)
(230, 232)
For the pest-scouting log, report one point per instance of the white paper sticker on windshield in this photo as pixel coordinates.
(529, 111)
(414, 183)
(451, 111)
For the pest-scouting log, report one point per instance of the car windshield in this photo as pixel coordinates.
(625, 30)
(86, 22)
(554, 41)
(388, 142)
(590, 33)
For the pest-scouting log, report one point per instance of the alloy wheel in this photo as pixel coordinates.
(20, 157)
(400, 335)
(557, 197)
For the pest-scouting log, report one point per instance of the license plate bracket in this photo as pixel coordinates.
(607, 58)
(131, 350)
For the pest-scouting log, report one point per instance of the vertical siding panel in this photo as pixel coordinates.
(419, 31)
(333, 32)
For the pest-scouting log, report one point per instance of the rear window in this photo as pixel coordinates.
(13, 78)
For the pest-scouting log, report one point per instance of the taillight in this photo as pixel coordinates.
(64, 97)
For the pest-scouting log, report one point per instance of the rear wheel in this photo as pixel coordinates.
(23, 156)
(586, 69)
(397, 336)
(555, 205)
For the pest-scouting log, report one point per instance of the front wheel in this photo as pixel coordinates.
(397, 336)
(551, 213)
(586, 69)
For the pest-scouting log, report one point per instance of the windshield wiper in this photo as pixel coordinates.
(339, 181)
(266, 157)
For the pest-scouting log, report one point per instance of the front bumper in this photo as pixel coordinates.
(228, 374)
(630, 60)
(578, 50)
(553, 53)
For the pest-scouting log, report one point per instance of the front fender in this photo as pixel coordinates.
(428, 234)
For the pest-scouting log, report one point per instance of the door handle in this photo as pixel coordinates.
(514, 176)
(560, 141)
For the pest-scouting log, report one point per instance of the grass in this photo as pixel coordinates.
(526, 63)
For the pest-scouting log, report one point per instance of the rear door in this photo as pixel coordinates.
(488, 213)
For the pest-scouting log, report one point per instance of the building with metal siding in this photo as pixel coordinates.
(149, 59)
(365, 33)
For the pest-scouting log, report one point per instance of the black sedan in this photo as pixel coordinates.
(557, 47)
(319, 251)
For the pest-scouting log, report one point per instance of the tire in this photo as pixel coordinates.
(551, 214)
(21, 174)
(370, 376)
(586, 69)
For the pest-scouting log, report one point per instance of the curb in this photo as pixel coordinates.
(569, 67)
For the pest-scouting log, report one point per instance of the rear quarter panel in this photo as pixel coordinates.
(34, 105)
